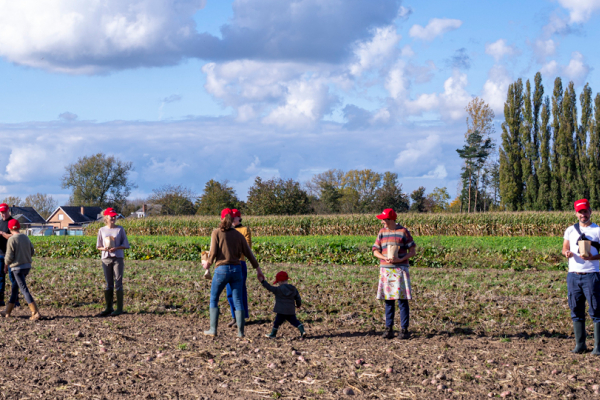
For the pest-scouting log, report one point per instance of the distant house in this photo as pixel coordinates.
(27, 216)
(72, 216)
(147, 210)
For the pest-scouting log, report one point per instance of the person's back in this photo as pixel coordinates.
(287, 298)
(19, 250)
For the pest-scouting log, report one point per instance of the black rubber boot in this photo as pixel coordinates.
(302, 332)
(273, 333)
(119, 309)
(404, 333)
(241, 322)
(108, 299)
(579, 330)
(214, 322)
(388, 333)
(596, 350)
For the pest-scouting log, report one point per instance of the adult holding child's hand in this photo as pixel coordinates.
(227, 246)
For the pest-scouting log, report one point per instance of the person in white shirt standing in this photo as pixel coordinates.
(583, 279)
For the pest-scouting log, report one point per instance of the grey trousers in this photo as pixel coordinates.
(113, 273)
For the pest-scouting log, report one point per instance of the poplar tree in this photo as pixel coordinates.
(556, 177)
(593, 180)
(511, 175)
(582, 166)
(527, 151)
(565, 148)
(544, 202)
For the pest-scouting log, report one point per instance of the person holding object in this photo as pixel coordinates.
(112, 240)
(19, 251)
(227, 246)
(393, 247)
(4, 236)
(583, 278)
(237, 224)
(287, 299)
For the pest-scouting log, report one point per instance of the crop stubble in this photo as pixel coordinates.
(486, 331)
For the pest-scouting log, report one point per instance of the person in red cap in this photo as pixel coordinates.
(287, 299)
(4, 236)
(19, 251)
(111, 241)
(237, 224)
(583, 278)
(393, 247)
(227, 246)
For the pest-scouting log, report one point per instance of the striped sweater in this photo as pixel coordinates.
(400, 237)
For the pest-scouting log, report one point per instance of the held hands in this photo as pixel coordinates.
(6, 268)
(259, 275)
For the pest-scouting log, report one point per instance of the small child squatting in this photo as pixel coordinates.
(287, 299)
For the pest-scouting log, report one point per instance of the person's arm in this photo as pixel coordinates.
(9, 257)
(566, 250)
(212, 255)
(124, 242)
(272, 289)
(298, 299)
(250, 256)
(407, 241)
(377, 250)
(100, 241)
(32, 248)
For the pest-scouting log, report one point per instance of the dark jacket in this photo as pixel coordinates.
(287, 298)
(4, 228)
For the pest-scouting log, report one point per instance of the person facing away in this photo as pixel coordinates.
(19, 252)
(4, 236)
(287, 298)
(583, 278)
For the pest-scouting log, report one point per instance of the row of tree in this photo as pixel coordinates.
(101, 180)
(550, 156)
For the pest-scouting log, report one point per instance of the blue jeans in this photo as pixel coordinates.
(3, 282)
(19, 277)
(227, 274)
(581, 288)
(244, 293)
(390, 311)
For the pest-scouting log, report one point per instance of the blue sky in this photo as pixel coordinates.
(192, 90)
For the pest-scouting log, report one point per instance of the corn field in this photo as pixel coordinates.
(475, 224)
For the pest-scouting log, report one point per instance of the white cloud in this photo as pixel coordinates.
(580, 10)
(421, 157)
(159, 170)
(544, 49)
(438, 173)
(499, 49)
(495, 88)
(550, 69)
(404, 13)
(92, 36)
(576, 70)
(455, 98)
(377, 51)
(436, 27)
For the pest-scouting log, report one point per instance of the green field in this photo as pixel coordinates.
(518, 253)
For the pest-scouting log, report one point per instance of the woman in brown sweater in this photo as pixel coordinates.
(227, 246)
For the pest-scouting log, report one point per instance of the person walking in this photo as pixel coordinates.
(237, 224)
(19, 252)
(287, 299)
(227, 246)
(111, 241)
(4, 236)
(393, 247)
(583, 278)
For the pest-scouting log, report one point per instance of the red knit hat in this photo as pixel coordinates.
(280, 277)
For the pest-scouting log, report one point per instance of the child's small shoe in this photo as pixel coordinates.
(273, 334)
(302, 332)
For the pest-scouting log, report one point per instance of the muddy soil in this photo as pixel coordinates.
(72, 355)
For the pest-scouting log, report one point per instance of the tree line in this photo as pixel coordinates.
(550, 151)
(101, 180)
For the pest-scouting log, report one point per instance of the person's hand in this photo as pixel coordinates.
(6, 235)
(396, 260)
(568, 254)
(112, 249)
(205, 264)
(589, 258)
(6, 268)
(260, 277)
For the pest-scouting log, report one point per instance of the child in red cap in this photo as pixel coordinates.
(287, 299)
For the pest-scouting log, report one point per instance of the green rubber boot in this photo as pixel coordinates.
(241, 322)
(119, 309)
(108, 299)
(302, 332)
(579, 330)
(214, 322)
(273, 333)
(596, 350)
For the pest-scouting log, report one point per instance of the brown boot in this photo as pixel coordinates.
(35, 313)
(9, 308)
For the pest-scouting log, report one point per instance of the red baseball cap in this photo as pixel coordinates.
(581, 204)
(14, 224)
(226, 211)
(388, 213)
(236, 213)
(3, 207)
(110, 212)
(280, 277)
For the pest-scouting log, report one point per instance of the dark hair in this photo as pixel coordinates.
(226, 222)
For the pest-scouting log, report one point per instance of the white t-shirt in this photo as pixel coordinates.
(576, 263)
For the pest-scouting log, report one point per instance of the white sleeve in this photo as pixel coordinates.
(568, 232)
